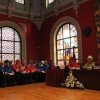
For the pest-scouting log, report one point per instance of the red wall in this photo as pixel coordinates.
(85, 18)
(32, 36)
(38, 42)
(33, 42)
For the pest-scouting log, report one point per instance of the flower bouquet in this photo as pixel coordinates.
(72, 82)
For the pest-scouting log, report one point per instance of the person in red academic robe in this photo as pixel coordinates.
(25, 72)
(17, 66)
(72, 63)
(17, 69)
(33, 71)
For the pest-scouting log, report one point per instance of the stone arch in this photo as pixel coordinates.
(21, 33)
(53, 37)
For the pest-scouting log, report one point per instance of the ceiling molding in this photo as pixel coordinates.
(55, 10)
(38, 24)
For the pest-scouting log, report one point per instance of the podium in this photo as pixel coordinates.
(54, 77)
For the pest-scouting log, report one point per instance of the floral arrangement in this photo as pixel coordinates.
(72, 82)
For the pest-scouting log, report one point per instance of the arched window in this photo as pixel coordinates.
(20, 1)
(10, 44)
(66, 39)
(63, 26)
(50, 1)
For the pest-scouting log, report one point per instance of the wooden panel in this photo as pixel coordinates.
(55, 77)
(90, 78)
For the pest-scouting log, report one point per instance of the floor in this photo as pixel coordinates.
(40, 91)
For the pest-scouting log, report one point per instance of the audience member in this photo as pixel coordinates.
(17, 69)
(2, 81)
(9, 73)
(33, 71)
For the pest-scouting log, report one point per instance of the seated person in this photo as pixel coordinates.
(89, 63)
(9, 73)
(1, 67)
(40, 71)
(25, 74)
(16, 68)
(51, 65)
(31, 67)
(72, 64)
(33, 71)
(45, 66)
(2, 81)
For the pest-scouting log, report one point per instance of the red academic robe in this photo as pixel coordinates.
(74, 64)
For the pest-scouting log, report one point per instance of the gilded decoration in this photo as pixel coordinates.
(96, 5)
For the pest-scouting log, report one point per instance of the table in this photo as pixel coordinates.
(89, 78)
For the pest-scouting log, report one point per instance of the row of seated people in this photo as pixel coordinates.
(73, 64)
(23, 73)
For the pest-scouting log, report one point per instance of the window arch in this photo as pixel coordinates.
(50, 1)
(21, 34)
(10, 44)
(20, 1)
(66, 39)
(53, 37)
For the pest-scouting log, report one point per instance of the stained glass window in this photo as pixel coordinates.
(20, 1)
(10, 45)
(66, 39)
(50, 1)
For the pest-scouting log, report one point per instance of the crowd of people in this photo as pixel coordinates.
(21, 73)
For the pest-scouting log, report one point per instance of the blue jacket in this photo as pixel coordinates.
(40, 68)
(50, 65)
(1, 68)
(45, 67)
(7, 69)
